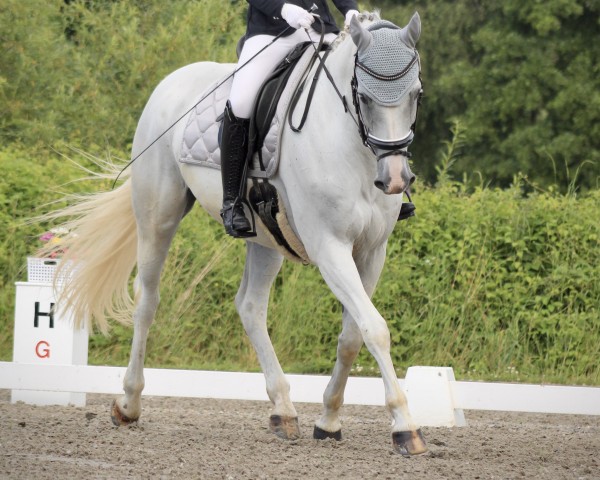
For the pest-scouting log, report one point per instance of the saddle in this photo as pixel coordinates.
(268, 99)
(263, 197)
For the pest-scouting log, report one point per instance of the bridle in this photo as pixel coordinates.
(389, 146)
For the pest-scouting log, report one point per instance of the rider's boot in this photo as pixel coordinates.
(407, 209)
(234, 149)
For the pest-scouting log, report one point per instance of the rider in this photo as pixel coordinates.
(266, 19)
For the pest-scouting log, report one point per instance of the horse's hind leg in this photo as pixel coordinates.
(160, 202)
(252, 299)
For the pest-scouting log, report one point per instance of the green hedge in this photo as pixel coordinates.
(497, 284)
(521, 76)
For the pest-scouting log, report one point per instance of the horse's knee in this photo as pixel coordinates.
(376, 336)
(349, 346)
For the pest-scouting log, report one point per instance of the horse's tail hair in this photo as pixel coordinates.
(98, 256)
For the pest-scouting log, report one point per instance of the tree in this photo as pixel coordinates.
(523, 78)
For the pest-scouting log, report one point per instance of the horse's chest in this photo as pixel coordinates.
(370, 224)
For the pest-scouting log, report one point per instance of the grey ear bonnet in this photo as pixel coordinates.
(387, 55)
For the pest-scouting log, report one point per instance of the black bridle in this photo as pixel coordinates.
(390, 147)
(393, 146)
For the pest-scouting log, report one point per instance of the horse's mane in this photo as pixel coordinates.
(362, 17)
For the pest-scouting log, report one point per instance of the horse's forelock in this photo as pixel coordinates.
(364, 17)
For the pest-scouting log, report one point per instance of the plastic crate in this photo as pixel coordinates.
(42, 270)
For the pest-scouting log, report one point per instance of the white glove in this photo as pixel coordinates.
(296, 16)
(349, 16)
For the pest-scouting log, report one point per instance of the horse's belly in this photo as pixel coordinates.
(205, 184)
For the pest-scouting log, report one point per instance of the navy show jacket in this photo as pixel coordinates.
(264, 16)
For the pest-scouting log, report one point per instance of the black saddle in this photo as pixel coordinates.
(263, 196)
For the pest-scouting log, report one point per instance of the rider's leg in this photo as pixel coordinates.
(236, 123)
(234, 144)
(407, 209)
(234, 149)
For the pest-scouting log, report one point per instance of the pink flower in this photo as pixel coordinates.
(47, 236)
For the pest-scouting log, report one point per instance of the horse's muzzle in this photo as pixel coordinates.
(393, 174)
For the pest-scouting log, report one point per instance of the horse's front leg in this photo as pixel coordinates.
(350, 341)
(252, 299)
(349, 344)
(339, 270)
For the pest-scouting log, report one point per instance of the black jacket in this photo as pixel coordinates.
(264, 16)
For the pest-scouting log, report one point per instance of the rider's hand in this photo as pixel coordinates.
(296, 16)
(349, 16)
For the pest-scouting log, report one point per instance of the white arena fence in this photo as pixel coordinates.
(435, 398)
(50, 368)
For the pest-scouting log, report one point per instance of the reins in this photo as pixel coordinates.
(322, 67)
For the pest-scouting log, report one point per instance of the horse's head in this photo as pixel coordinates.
(387, 89)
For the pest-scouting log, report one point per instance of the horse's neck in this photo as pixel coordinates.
(340, 64)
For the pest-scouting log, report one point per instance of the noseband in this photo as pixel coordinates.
(391, 146)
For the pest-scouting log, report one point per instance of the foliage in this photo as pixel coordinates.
(522, 77)
(496, 283)
(81, 71)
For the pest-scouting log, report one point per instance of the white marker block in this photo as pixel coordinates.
(430, 398)
(46, 335)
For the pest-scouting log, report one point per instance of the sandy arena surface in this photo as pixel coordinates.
(196, 438)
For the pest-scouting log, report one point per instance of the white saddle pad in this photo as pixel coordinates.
(200, 138)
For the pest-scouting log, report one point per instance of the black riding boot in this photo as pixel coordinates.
(407, 209)
(234, 149)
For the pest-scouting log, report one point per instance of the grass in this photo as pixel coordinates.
(498, 284)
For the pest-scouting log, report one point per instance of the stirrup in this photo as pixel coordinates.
(228, 214)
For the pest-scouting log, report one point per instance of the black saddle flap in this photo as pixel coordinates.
(269, 95)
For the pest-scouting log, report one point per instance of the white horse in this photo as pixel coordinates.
(338, 195)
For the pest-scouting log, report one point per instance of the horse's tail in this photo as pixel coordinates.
(98, 257)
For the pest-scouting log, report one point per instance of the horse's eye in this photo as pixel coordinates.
(363, 98)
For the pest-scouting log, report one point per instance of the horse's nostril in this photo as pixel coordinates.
(412, 179)
(380, 185)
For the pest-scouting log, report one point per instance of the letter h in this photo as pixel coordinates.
(38, 314)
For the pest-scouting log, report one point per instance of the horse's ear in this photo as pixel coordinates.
(361, 36)
(411, 33)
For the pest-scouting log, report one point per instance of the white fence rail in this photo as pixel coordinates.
(304, 388)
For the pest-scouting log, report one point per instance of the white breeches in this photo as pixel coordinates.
(247, 82)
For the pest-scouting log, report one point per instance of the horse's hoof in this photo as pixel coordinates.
(118, 418)
(320, 434)
(285, 427)
(409, 443)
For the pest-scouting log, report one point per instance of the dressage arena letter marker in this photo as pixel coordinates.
(44, 334)
(38, 314)
(430, 397)
(42, 349)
